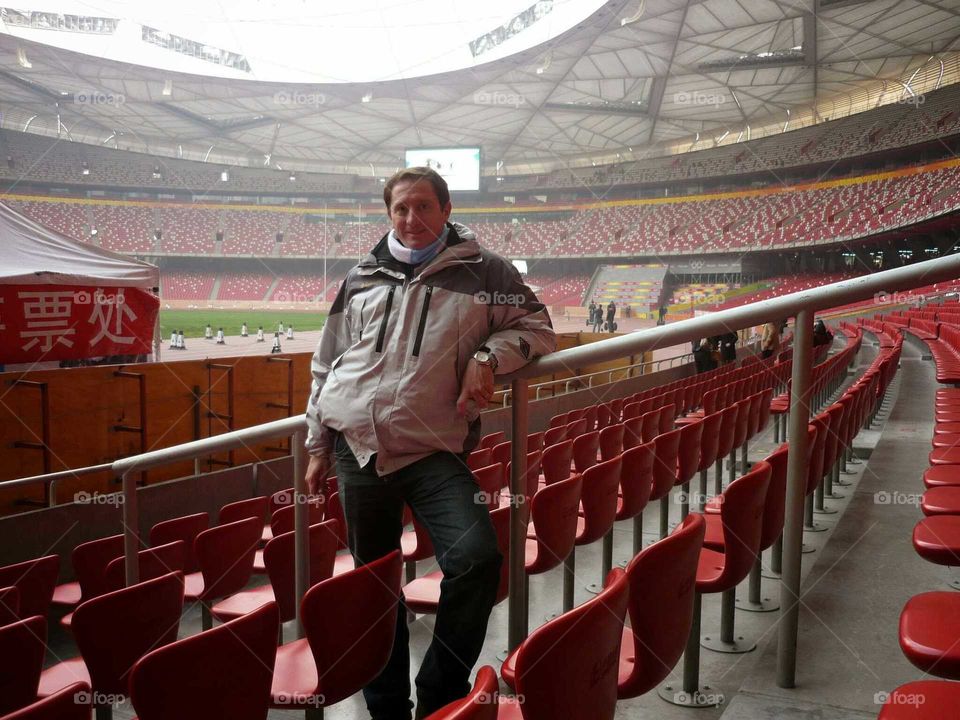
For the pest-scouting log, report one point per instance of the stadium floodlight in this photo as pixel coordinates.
(293, 177)
(225, 176)
(367, 97)
(167, 88)
(22, 60)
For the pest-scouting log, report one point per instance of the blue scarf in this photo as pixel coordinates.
(410, 256)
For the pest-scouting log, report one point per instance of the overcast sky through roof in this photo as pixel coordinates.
(301, 41)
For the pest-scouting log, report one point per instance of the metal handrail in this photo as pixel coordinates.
(801, 304)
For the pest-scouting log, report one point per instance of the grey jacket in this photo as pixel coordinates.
(388, 368)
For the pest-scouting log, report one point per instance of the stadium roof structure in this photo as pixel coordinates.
(633, 79)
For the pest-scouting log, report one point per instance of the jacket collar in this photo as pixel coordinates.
(462, 247)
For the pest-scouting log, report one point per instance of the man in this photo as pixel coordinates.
(770, 340)
(405, 362)
(611, 314)
(591, 311)
(598, 317)
(728, 346)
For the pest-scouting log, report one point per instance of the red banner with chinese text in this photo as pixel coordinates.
(40, 323)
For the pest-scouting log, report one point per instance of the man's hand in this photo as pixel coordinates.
(317, 470)
(477, 385)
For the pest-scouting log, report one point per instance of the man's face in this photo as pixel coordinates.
(416, 214)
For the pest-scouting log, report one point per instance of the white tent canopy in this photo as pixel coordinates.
(31, 254)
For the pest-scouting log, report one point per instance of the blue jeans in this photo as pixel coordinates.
(440, 491)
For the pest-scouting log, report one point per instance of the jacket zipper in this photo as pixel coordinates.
(386, 318)
(423, 322)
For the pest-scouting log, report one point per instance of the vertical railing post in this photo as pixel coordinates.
(517, 609)
(301, 521)
(131, 528)
(796, 485)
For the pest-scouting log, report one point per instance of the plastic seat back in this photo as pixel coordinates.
(666, 447)
(728, 429)
(225, 672)
(662, 580)
(636, 480)
(279, 554)
(282, 521)
(585, 448)
(532, 484)
(554, 435)
(351, 641)
(500, 519)
(480, 458)
(225, 554)
(710, 440)
(23, 647)
(688, 451)
(35, 581)
(774, 505)
(741, 514)
(502, 452)
(9, 605)
(575, 428)
(742, 427)
(650, 425)
(90, 560)
(557, 421)
(611, 441)
(251, 507)
(535, 441)
(491, 440)
(64, 704)
(598, 496)
(115, 630)
(184, 528)
(753, 424)
(632, 432)
(478, 703)
(815, 452)
(766, 397)
(490, 480)
(555, 461)
(631, 410)
(604, 416)
(831, 446)
(153, 562)
(564, 669)
(667, 416)
(554, 514)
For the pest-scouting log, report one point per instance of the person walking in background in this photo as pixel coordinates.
(598, 317)
(611, 314)
(770, 340)
(728, 347)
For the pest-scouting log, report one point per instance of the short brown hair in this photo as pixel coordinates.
(417, 174)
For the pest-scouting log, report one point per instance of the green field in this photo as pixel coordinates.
(194, 322)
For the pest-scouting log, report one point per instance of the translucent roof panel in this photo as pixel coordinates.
(298, 41)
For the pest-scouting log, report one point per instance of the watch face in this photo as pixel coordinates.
(482, 357)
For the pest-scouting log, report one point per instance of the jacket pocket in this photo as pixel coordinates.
(422, 325)
(386, 319)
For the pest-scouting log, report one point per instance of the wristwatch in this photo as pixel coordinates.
(483, 357)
